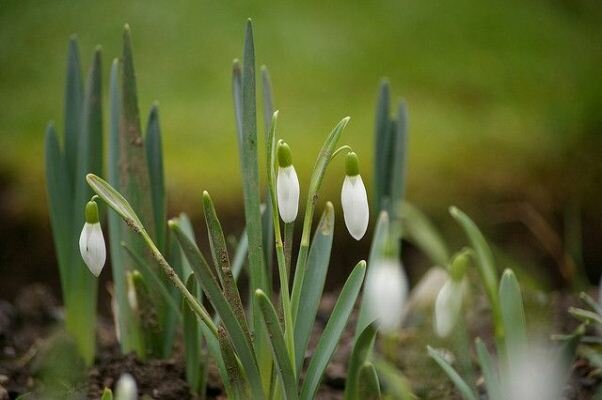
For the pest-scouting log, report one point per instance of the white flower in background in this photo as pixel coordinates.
(91, 241)
(354, 199)
(448, 306)
(386, 290)
(126, 388)
(287, 184)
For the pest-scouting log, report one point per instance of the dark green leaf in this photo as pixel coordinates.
(359, 355)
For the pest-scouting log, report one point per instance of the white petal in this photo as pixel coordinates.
(355, 206)
(386, 291)
(126, 388)
(92, 247)
(448, 306)
(287, 187)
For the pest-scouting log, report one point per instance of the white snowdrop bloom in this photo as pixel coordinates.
(126, 388)
(287, 185)
(354, 199)
(448, 306)
(91, 241)
(386, 290)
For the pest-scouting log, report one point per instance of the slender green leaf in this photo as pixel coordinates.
(286, 370)
(74, 97)
(457, 380)
(266, 217)
(240, 255)
(116, 201)
(585, 315)
(398, 161)
(59, 204)
(492, 380)
(513, 317)
(192, 342)
(222, 261)
(333, 330)
(485, 264)
(154, 157)
(319, 171)
(381, 145)
(396, 383)
(359, 355)
(313, 285)
(211, 288)
(418, 230)
(235, 377)
(237, 97)
(377, 247)
(370, 385)
(116, 230)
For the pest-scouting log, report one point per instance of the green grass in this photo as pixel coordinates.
(502, 85)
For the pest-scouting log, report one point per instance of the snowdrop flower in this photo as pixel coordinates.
(91, 242)
(448, 305)
(354, 199)
(126, 388)
(287, 184)
(386, 291)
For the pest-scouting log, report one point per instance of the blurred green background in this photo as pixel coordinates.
(504, 97)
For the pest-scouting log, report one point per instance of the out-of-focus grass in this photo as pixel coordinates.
(495, 88)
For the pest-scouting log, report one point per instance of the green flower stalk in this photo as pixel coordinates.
(91, 241)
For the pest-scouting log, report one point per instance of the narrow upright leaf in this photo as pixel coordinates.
(513, 316)
(332, 332)
(192, 341)
(359, 355)
(490, 373)
(73, 108)
(286, 370)
(154, 156)
(381, 142)
(370, 385)
(313, 285)
(398, 161)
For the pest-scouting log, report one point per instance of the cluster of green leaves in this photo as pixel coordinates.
(66, 168)
(260, 354)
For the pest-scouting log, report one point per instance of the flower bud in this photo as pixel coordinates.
(354, 199)
(126, 388)
(287, 184)
(91, 241)
(448, 306)
(386, 290)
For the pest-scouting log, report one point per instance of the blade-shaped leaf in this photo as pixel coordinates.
(116, 201)
(370, 385)
(235, 377)
(213, 292)
(192, 342)
(398, 161)
(333, 330)
(154, 156)
(485, 263)
(74, 95)
(457, 380)
(319, 171)
(313, 285)
(513, 317)
(222, 261)
(381, 145)
(283, 361)
(420, 231)
(396, 383)
(107, 394)
(492, 380)
(359, 355)
(266, 217)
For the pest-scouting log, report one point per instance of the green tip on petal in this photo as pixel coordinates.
(285, 156)
(352, 164)
(92, 212)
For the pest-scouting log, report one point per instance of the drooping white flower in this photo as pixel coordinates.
(126, 388)
(386, 290)
(91, 241)
(448, 306)
(354, 199)
(287, 185)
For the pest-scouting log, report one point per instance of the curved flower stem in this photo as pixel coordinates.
(340, 150)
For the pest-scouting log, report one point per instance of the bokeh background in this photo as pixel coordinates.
(504, 100)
